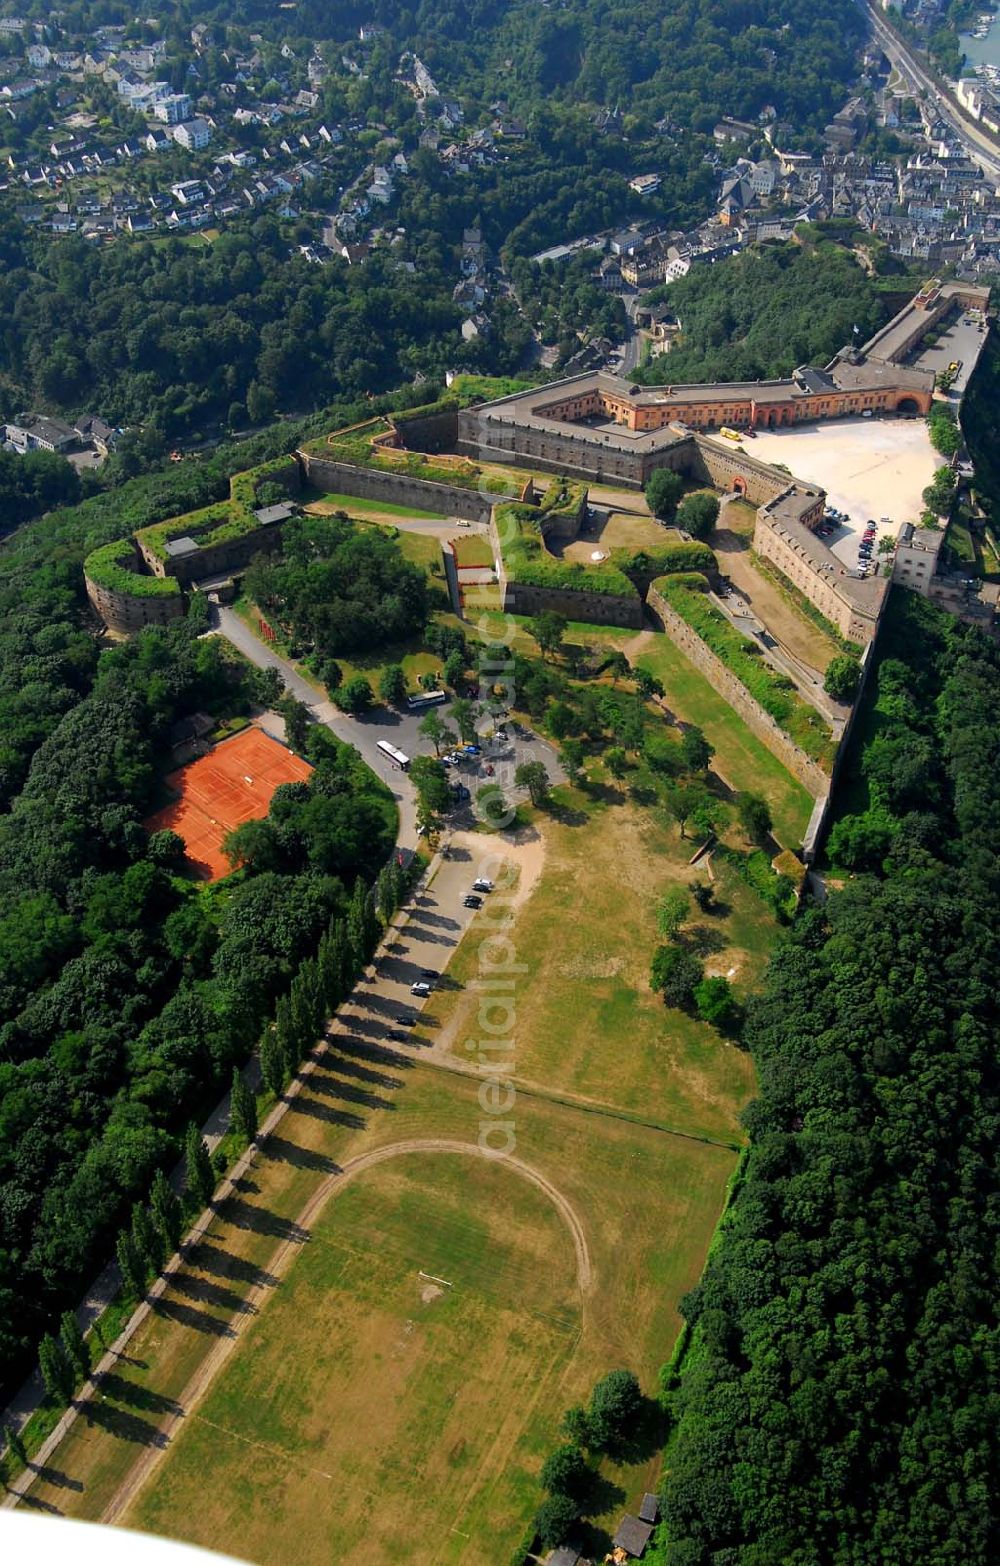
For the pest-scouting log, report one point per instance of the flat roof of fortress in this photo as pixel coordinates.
(866, 592)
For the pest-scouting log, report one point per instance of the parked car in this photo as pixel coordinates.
(472, 902)
(421, 988)
(482, 885)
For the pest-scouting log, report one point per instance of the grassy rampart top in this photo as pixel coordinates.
(357, 445)
(220, 522)
(115, 566)
(527, 561)
(774, 692)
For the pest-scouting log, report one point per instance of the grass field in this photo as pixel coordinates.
(588, 1023)
(322, 504)
(743, 760)
(354, 1383)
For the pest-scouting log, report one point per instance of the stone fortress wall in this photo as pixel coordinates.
(126, 613)
(398, 489)
(759, 722)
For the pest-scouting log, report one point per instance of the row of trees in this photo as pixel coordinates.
(156, 1225)
(837, 1404)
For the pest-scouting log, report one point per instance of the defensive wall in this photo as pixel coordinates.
(759, 722)
(398, 489)
(909, 326)
(140, 581)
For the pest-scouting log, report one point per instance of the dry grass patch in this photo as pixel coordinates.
(432, 1410)
(587, 1023)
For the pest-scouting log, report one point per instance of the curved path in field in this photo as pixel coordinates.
(281, 1260)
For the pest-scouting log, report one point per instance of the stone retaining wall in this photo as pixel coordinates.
(398, 489)
(759, 722)
(594, 608)
(127, 613)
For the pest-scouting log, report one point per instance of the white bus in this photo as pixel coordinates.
(426, 699)
(395, 756)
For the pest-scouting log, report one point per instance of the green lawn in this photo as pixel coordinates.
(741, 758)
(355, 506)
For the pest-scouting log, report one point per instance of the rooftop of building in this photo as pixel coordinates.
(866, 592)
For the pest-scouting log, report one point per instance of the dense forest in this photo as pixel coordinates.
(839, 1399)
(760, 314)
(129, 991)
(169, 337)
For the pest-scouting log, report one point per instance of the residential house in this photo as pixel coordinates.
(32, 432)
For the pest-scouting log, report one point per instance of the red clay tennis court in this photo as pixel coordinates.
(233, 783)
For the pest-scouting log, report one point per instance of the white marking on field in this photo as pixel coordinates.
(431, 1279)
(260, 1445)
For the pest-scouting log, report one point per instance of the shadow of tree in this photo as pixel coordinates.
(285, 1152)
(243, 1216)
(208, 1258)
(357, 1046)
(701, 938)
(34, 1503)
(55, 1476)
(347, 1067)
(566, 815)
(601, 1495)
(334, 1087)
(121, 1422)
(315, 1108)
(208, 1293)
(187, 1316)
(136, 1396)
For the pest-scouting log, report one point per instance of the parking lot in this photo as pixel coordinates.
(960, 343)
(496, 762)
(875, 468)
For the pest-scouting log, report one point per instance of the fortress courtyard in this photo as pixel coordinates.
(868, 467)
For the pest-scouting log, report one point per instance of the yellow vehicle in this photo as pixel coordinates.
(953, 366)
(730, 434)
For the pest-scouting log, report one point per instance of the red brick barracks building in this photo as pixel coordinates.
(600, 426)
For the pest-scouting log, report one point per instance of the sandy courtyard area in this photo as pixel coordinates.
(868, 467)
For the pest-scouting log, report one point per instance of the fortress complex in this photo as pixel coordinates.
(600, 426)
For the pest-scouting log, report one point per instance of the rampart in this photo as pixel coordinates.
(594, 608)
(138, 581)
(123, 607)
(398, 489)
(739, 698)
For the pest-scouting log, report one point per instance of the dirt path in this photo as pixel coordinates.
(282, 1259)
(793, 631)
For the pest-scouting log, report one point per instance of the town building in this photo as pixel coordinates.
(193, 135)
(174, 108)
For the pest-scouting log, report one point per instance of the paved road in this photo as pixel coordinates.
(633, 343)
(400, 729)
(363, 735)
(806, 681)
(979, 147)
